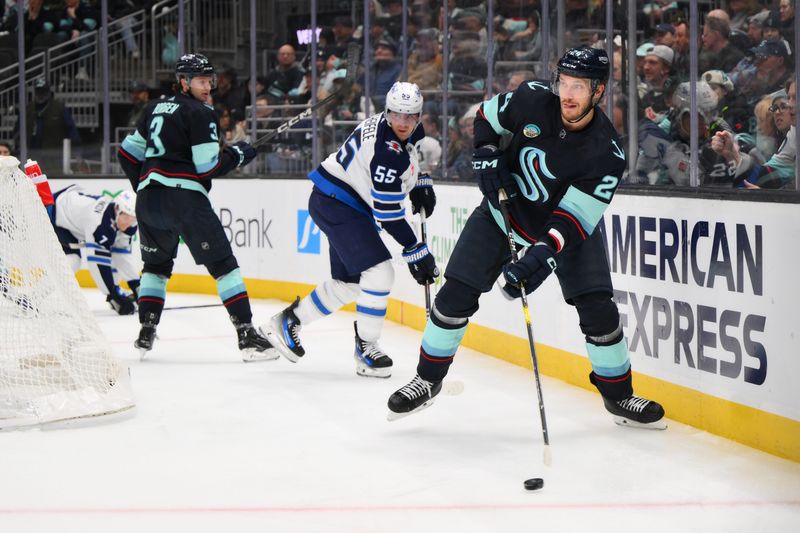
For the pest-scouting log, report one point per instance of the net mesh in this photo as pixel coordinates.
(55, 363)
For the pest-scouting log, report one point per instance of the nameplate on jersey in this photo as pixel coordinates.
(165, 108)
(370, 127)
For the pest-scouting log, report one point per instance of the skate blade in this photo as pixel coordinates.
(251, 355)
(278, 343)
(143, 353)
(369, 372)
(622, 421)
(449, 388)
(392, 416)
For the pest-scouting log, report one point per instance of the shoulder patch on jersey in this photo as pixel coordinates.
(395, 146)
(531, 131)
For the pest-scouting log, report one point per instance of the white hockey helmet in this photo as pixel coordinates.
(405, 98)
(126, 203)
(707, 100)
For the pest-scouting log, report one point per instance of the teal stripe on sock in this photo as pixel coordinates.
(230, 284)
(611, 360)
(153, 285)
(441, 342)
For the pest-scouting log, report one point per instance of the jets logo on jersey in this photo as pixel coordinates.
(394, 146)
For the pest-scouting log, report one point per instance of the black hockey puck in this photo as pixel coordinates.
(534, 483)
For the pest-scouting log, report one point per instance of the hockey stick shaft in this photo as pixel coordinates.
(514, 258)
(353, 53)
(424, 233)
(199, 306)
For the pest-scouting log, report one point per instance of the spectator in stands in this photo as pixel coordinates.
(781, 115)
(786, 11)
(526, 45)
(771, 28)
(664, 156)
(38, 19)
(49, 122)
(716, 51)
(467, 67)
(120, 11)
(385, 71)
(665, 34)
(228, 91)
(76, 19)
(763, 144)
(680, 45)
(343, 35)
(429, 149)
(656, 70)
(393, 9)
(516, 79)
(425, 62)
(754, 25)
(5, 148)
(772, 64)
(778, 171)
(733, 107)
(287, 75)
(473, 20)
(740, 11)
(140, 96)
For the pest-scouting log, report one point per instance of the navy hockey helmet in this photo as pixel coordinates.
(583, 62)
(190, 65)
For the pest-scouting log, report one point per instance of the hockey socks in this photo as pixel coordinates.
(233, 294)
(326, 298)
(152, 291)
(440, 341)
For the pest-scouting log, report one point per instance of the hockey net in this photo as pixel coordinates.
(55, 363)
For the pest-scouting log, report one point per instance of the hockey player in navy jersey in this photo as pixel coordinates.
(359, 190)
(99, 229)
(170, 160)
(560, 170)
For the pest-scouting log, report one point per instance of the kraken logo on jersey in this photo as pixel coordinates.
(533, 163)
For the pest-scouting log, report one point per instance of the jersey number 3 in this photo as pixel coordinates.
(155, 148)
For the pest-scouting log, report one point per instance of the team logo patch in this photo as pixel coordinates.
(394, 146)
(531, 131)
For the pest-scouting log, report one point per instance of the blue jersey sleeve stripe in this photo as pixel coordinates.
(120, 250)
(384, 217)
(586, 208)
(99, 260)
(387, 196)
(135, 145)
(492, 114)
(205, 156)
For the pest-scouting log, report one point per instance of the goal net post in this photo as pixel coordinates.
(55, 363)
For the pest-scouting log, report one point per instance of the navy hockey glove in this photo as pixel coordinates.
(492, 173)
(242, 153)
(530, 270)
(121, 303)
(422, 196)
(421, 263)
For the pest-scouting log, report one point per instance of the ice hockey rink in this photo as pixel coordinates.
(219, 445)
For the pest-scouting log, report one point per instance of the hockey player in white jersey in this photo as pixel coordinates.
(359, 190)
(99, 229)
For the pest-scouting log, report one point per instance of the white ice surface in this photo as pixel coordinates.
(219, 445)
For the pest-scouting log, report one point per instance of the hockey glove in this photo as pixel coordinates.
(422, 196)
(421, 263)
(242, 153)
(492, 173)
(531, 269)
(121, 303)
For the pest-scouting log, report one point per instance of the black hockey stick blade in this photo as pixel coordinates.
(353, 55)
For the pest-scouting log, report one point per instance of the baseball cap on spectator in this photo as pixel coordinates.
(662, 52)
(386, 43)
(771, 48)
(665, 28)
(339, 74)
(41, 83)
(641, 51)
(718, 77)
(773, 20)
(138, 86)
(758, 19)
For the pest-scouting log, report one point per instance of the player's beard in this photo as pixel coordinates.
(572, 114)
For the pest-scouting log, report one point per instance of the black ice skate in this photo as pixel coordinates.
(370, 359)
(285, 328)
(254, 345)
(636, 412)
(147, 336)
(413, 397)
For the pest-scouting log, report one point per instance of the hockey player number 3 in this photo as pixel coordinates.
(384, 175)
(157, 148)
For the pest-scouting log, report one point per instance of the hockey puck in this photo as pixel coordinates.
(535, 483)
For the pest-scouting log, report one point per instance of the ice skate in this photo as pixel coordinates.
(413, 397)
(370, 359)
(254, 345)
(147, 336)
(285, 329)
(636, 412)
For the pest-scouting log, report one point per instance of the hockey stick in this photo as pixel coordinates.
(200, 306)
(353, 54)
(514, 258)
(424, 234)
